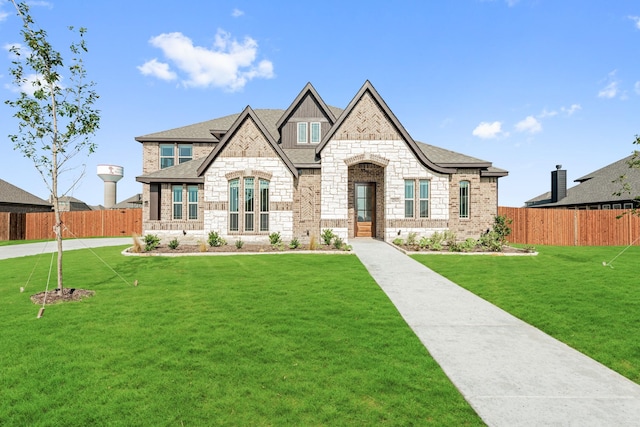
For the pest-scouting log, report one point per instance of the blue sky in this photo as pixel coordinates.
(525, 84)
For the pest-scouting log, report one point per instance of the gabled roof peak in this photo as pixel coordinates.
(308, 89)
(247, 113)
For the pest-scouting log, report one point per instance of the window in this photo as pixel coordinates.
(177, 202)
(302, 133)
(464, 199)
(409, 194)
(248, 204)
(606, 207)
(192, 200)
(315, 133)
(617, 206)
(264, 205)
(185, 153)
(424, 198)
(628, 205)
(166, 156)
(234, 192)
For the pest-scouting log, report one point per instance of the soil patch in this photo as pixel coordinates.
(68, 294)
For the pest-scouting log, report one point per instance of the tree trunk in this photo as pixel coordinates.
(58, 231)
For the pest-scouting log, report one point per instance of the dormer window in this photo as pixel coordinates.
(309, 132)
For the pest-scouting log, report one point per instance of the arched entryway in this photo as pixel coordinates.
(366, 200)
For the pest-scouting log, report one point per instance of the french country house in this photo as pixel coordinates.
(308, 168)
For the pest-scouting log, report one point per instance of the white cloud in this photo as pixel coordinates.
(546, 113)
(236, 13)
(612, 89)
(529, 124)
(229, 64)
(157, 69)
(3, 15)
(486, 130)
(637, 87)
(636, 20)
(512, 3)
(29, 86)
(569, 111)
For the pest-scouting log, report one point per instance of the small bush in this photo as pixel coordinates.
(412, 238)
(469, 245)
(501, 227)
(529, 249)
(338, 242)
(398, 241)
(449, 238)
(313, 243)
(215, 239)
(424, 242)
(239, 244)
(151, 241)
(327, 236)
(275, 239)
(491, 241)
(202, 246)
(294, 243)
(173, 244)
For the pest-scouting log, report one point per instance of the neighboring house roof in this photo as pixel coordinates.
(247, 114)
(132, 202)
(599, 186)
(9, 193)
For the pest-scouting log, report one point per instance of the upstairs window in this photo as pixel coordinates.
(309, 132)
(464, 199)
(174, 154)
(185, 153)
(302, 133)
(167, 156)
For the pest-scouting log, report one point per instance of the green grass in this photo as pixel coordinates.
(232, 340)
(566, 292)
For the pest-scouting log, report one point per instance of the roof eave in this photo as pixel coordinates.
(149, 180)
(167, 139)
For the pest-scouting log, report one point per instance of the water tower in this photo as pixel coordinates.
(110, 174)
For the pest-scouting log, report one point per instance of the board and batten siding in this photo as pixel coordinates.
(307, 111)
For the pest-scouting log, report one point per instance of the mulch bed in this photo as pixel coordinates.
(68, 294)
(246, 248)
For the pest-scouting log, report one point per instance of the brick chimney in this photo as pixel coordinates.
(558, 184)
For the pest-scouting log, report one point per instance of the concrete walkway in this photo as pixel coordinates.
(511, 373)
(15, 251)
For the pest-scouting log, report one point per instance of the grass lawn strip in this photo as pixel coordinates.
(567, 293)
(234, 340)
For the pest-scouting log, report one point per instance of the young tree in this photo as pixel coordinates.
(55, 109)
(634, 162)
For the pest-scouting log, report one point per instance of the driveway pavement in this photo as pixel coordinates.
(15, 251)
(511, 373)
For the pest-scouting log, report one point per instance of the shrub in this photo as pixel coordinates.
(424, 242)
(239, 244)
(173, 244)
(491, 241)
(449, 238)
(313, 243)
(435, 241)
(398, 241)
(338, 242)
(501, 227)
(294, 243)
(275, 239)
(215, 239)
(202, 246)
(529, 249)
(469, 245)
(327, 236)
(151, 241)
(412, 238)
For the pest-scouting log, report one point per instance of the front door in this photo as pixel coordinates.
(365, 209)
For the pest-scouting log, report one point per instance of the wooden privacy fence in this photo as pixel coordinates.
(103, 223)
(570, 227)
(12, 226)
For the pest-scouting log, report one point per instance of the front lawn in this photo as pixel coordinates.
(234, 340)
(565, 291)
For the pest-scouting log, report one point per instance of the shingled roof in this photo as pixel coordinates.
(597, 187)
(10, 194)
